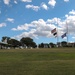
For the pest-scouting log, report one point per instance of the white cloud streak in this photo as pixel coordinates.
(73, 37)
(66, 0)
(2, 24)
(26, 0)
(36, 8)
(10, 20)
(0, 12)
(52, 3)
(6, 2)
(15, 2)
(44, 6)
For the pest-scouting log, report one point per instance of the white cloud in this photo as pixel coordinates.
(72, 12)
(27, 34)
(2, 24)
(0, 12)
(44, 6)
(43, 28)
(10, 20)
(26, 0)
(73, 37)
(66, 0)
(39, 28)
(6, 2)
(15, 1)
(35, 29)
(52, 3)
(70, 19)
(36, 8)
(23, 27)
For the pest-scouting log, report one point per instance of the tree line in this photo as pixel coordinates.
(25, 41)
(29, 42)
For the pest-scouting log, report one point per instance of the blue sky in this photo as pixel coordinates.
(36, 19)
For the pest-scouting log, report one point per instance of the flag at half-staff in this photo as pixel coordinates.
(54, 32)
(64, 35)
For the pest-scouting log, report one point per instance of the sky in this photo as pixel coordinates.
(37, 18)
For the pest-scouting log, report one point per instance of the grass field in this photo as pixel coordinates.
(52, 61)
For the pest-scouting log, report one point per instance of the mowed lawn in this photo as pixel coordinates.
(52, 61)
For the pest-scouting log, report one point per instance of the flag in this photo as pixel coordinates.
(54, 30)
(55, 33)
(64, 35)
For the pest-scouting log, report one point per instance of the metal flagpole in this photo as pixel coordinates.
(67, 31)
(57, 32)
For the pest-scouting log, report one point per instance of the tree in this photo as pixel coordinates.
(5, 38)
(28, 42)
(41, 45)
(64, 43)
(14, 43)
(52, 44)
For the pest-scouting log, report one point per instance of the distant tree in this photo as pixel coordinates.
(5, 38)
(74, 44)
(33, 44)
(14, 43)
(52, 44)
(28, 42)
(64, 43)
(41, 45)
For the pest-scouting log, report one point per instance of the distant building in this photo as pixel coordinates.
(71, 44)
(2, 45)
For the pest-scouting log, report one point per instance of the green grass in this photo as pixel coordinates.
(53, 61)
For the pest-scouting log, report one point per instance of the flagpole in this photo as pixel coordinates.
(67, 31)
(57, 32)
(57, 36)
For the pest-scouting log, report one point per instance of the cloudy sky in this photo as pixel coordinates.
(36, 19)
